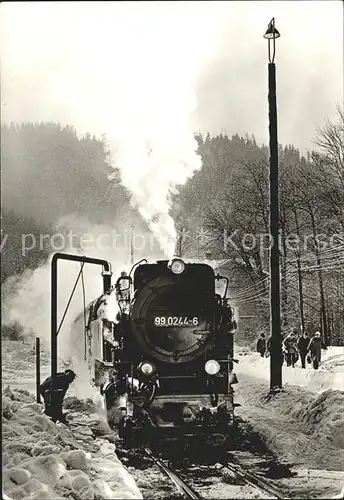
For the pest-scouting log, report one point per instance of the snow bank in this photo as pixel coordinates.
(299, 426)
(43, 460)
(17, 354)
(330, 374)
(340, 495)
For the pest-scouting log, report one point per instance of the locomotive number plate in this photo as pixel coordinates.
(176, 321)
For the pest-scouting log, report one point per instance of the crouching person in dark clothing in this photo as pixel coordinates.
(53, 398)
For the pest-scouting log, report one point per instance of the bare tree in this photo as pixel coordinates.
(329, 163)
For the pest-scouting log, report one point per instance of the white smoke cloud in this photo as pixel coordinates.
(26, 299)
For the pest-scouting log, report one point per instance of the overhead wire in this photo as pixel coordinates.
(260, 289)
(331, 261)
(323, 268)
(326, 254)
(243, 290)
(259, 293)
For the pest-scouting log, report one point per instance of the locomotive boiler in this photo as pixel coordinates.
(160, 347)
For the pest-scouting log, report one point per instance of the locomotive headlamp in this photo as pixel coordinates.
(177, 266)
(212, 367)
(146, 368)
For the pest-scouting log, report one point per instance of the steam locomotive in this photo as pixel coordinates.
(160, 348)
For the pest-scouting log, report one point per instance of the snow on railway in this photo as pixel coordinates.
(44, 460)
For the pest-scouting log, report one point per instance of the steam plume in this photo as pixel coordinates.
(116, 68)
(128, 72)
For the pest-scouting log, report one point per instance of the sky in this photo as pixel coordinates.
(232, 88)
(83, 63)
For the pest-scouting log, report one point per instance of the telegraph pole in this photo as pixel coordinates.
(38, 370)
(275, 310)
(131, 245)
(299, 273)
(302, 317)
(180, 242)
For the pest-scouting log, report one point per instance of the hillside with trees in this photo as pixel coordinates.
(47, 173)
(229, 197)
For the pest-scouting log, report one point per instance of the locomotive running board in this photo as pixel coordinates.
(177, 397)
(107, 364)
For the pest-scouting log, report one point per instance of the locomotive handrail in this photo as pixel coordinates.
(118, 282)
(136, 264)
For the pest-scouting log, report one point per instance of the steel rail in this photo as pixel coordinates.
(182, 487)
(255, 481)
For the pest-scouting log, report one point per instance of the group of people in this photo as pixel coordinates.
(294, 346)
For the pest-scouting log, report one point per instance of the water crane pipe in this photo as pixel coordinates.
(106, 274)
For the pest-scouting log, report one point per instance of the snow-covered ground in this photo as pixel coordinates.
(43, 460)
(304, 424)
(330, 374)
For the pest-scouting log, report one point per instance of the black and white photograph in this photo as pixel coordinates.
(172, 249)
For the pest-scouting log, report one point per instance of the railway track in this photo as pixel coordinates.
(255, 481)
(239, 471)
(183, 488)
(246, 470)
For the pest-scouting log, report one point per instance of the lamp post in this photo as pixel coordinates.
(275, 312)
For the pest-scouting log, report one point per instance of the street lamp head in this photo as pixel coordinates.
(272, 32)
